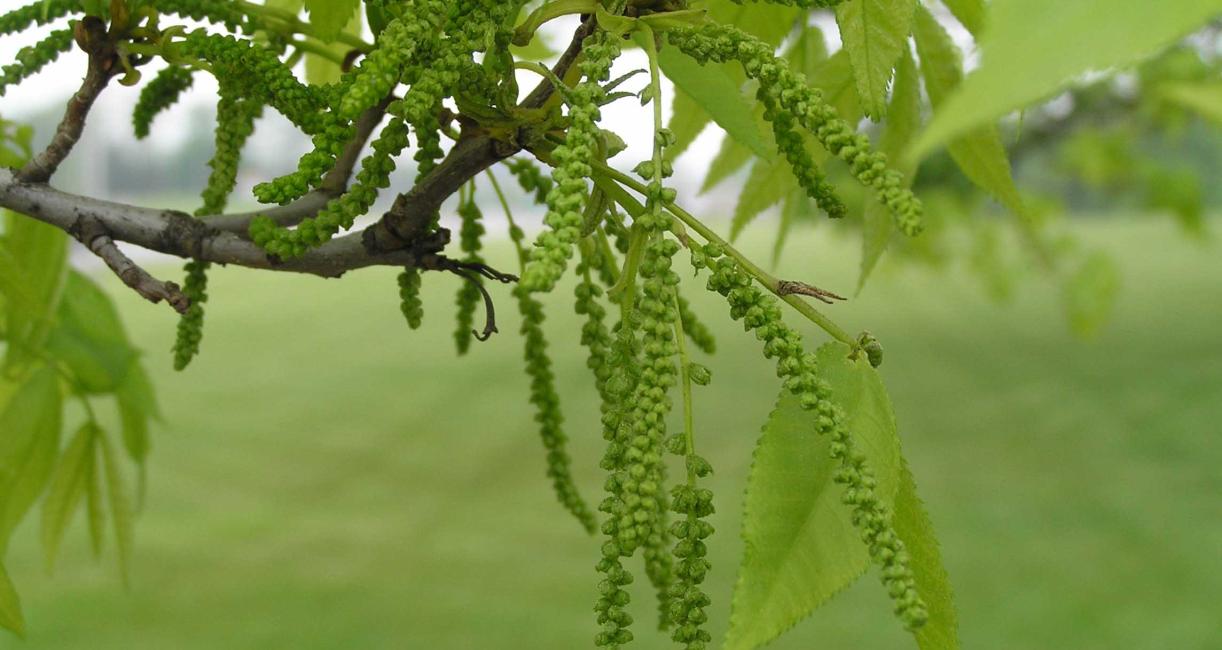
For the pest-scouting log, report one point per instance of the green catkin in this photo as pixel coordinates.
(469, 294)
(235, 124)
(32, 58)
(379, 72)
(409, 297)
(791, 143)
(42, 12)
(565, 202)
(339, 213)
(802, 4)
(619, 527)
(531, 179)
(686, 596)
(594, 334)
(699, 334)
(191, 324)
(258, 74)
(158, 95)
(547, 410)
(221, 12)
(761, 313)
(793, 95)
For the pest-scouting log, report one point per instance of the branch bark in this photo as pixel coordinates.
(179, 234)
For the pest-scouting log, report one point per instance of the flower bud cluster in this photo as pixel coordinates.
(794, 96)
(191, 324)
(566, 201)
(547, 409)
(158, 95)
(409, 297)
(468, 292)
(31, 58)
(40, 12)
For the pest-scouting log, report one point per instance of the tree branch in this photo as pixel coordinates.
(93, 235)
(90, 36)
(177, 233)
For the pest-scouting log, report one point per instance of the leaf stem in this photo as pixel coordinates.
(766, 279)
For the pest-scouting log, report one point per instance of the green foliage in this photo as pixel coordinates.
(875, 33)
(447, 71)
(1089, 36)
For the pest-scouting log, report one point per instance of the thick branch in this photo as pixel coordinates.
(333, 184)
(177, 233)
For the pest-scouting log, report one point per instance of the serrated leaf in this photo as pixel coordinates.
(718, 94)
(120, 504)
(980, 153)
(874, 33)
(687, 122)
(322, 70)
(328, 17)
(1033, 48)
(903, 121)
(1090, 294)
(769, 183)
(797, 205)
(95, 504)
(800, 546)
(137, 407)
(969, 13)
(10, 605)
(89, 337)
(41, 253)
(913, 527)
(770, 23)
(30, 422)
(65, 490)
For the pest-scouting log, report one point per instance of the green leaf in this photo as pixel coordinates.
(40, 252)
(120, 505)
(903, 120)
(770, 23)
(874, 33)
(769, 183)
(1204, 98)
(95, 506)
(717, 92)
(30, 423)
(980, 153)
(89, 336)
(137, 407)
(65, 490)
(1034, 48)
(969, 13)
(913, 527)
(687, 122)
(10, 605)
(328, 17)
(322, 70)
(1090, 294)
(797, 205)
(800, 546)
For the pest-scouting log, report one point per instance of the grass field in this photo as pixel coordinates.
(327, 478)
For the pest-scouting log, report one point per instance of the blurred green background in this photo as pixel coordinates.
(327, 478)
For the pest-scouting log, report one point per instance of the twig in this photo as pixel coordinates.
(93, 235)
(90, 36)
